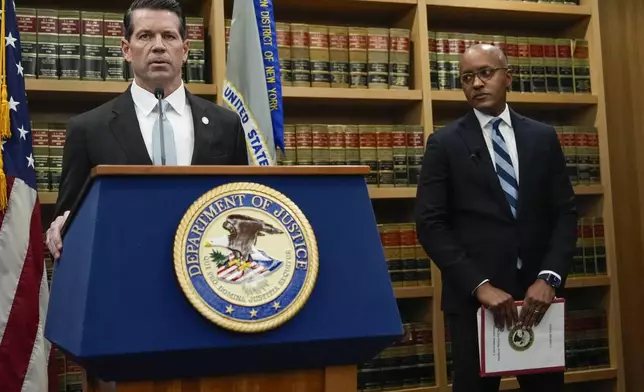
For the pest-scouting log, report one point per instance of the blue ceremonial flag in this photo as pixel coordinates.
(252, 87)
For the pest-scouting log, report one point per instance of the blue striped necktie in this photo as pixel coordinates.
(504, 169)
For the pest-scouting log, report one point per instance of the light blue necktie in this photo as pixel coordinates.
(168, 134)
(504, 169)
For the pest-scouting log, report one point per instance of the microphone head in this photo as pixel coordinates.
(159, 92)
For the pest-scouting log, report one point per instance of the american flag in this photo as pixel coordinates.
(24, 292)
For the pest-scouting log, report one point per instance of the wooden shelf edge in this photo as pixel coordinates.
(571, 377)
(374, 193)
(351, 93)
(504, 5)
(47, 197)
(100, 87)
(589, 189)
(587, 281)
(419, 389)
(392, 193)
(410, 192)
(526, 98)
(388, 1)
(414, 292)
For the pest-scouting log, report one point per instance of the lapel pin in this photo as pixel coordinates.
(204, 120)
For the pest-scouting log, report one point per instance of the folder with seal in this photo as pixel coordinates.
(522, 351)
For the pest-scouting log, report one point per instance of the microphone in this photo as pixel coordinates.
(159, 93)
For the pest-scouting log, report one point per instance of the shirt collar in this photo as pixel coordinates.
(485, 119)
(146, 101)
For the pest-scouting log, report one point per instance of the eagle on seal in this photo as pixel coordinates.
(244, 231)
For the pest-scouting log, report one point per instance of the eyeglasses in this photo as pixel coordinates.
(484, 74)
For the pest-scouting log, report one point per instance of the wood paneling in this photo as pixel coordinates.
(622, 29)
(332, 379)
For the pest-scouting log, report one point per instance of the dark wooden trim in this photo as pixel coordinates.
(109, 170)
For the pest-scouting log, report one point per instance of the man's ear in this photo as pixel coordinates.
(125, 48)
(186, 49)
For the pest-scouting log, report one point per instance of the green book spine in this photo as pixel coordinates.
(337, 150)
(69, 50)
(588, 245)
(600, 245)
(399, 59)
(433, 65)
(512, 48)
(115, 65)
(593, 154)
(443, 65)
(537, 64)
(352, 144)
(47, 47)
(570, 153)
(320, 142)
(384, 142)
(581, 67)
(92, 47)
(338, 56)
(196, 63)
(28, 28)
(550, 59)
(283, 33)
(40, 141)
(399, 156)
(525, 73)
(564, 64)
(57, 145)
(368, 152)
(415, 150)
(583, 156)
(377, 58)
(304, 144)
(290, 146)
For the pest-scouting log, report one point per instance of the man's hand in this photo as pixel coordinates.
(500, 303)
(536, 303)
(54, 238)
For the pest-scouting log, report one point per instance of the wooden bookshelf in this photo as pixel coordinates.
(100, 87)
(535, 99)
(502, 9)
(422, 105)
(414, 292)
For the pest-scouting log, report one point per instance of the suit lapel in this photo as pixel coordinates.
(203, 137)
(525, 152)
(125, 127)
(472, 134)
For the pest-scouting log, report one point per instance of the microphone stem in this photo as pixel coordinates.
(162, 133)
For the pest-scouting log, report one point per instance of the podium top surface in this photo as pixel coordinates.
(134, 170)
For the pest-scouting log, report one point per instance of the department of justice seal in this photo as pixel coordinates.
(246, 257)
(520, 339)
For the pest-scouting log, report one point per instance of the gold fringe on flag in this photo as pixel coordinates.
(5, 127)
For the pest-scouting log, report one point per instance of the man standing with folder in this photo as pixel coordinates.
(496, 213)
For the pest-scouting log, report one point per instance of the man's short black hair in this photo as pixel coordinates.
(169, 5)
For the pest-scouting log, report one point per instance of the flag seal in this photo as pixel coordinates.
(246, 257)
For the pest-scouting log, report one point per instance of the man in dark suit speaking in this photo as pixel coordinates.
(126, 131)
(496, 212)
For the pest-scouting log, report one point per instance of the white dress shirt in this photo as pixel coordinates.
(178, 113)
(485, 121)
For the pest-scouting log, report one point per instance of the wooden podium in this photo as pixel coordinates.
(118, 310)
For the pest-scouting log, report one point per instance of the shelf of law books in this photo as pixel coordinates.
(79, 51)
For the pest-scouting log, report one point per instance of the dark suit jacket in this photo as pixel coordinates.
(465, 224)
(110, 135)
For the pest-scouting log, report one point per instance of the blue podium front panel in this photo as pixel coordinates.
(117, 308)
